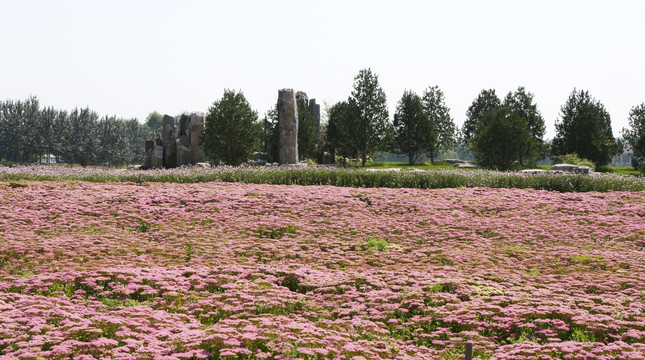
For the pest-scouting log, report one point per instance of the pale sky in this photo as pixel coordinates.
(129, 58)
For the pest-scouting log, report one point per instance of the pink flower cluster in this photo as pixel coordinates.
(242, 271)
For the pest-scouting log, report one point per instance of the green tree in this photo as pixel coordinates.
(307, 139)
(521, 103)
(585, 129)
(155, 122)
(369, 133)
(269, 136)
(499, 138)
(231, 129)
(486, 101)
(438, 114)
(414, 134)
(635, 135)
(341, 119)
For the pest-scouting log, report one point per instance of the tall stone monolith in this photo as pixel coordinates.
(287, 127)
(314, 109)
(169, 142)
(196, 127)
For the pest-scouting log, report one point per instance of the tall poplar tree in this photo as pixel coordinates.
(414, 134)
(635, 135)
(369, 132)
(585, 129)
(435, 108)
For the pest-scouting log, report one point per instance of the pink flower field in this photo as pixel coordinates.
(237, 271)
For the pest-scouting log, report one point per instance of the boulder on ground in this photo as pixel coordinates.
(576, 169)
(466, 166)
(156, 157)
(564, 167)
(533, 171)
(184, 154)
(453, 161)
(260, 156)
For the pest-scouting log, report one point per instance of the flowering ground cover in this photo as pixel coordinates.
(244, 271)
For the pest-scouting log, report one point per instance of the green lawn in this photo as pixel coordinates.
(426, 165)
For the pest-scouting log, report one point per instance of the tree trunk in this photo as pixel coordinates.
(363, 159)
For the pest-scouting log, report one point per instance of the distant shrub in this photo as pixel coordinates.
(574, 159)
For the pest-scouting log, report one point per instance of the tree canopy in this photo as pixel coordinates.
(635, 136)
(28, 132)
(371, 129)
(499, 138)
(231, 129)
(438, 114)
(521, 103)
(585, 129)
(486, 101)
(307, 139)
(342, 118)
(414, 134)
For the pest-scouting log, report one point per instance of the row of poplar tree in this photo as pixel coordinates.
(502, 134)
(28, 132)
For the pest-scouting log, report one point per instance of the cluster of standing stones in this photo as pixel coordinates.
(176, 148)
(182, 148)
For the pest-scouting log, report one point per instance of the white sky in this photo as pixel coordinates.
(129, 58)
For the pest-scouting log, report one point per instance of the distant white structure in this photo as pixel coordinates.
(624, 159)
(48, 159)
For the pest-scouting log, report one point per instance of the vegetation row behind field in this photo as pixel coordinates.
(346, 177)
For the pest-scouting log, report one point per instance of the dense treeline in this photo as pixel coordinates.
(503, 133)
(28, 132)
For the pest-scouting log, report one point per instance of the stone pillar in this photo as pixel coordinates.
(302, 99)
(194, 131)
(314, 109)
(150, 145)
(287, 127)
(169, 142)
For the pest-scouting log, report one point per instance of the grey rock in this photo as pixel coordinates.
(203, 165)
(315, 111)
(134, 167)
(260, 156)
(287, 127)
(184, 125)
(453, 161)
(195, 133)
(184, 155)
(326, 158)
(467, 166)
(302, 100)
(533, 171)
(564, 167)
(584, 170)
(156, 157)
(569, 168)
(169, 142)
(150, 144)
